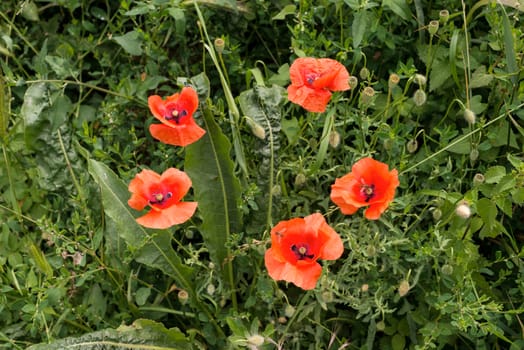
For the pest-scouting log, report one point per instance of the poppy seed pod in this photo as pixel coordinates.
(443, 16)
(433, 27)
(367, 95)
(219, 44)
(463, 210)
(183, 296)
(419, 97)
(289, 310)
(478, 179)
(447, 269)
(300, 179)
(393, 80)
(437, 214)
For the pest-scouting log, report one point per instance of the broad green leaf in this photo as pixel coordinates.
(35, 100)
(494, 174)
(487, 210)
(287, 10)
(398, 342)
(291, 129)
(399, 7)
(479, 78)
(153, 250)
(359, 26)
(131, 42)
(142, 334)
(217, 190)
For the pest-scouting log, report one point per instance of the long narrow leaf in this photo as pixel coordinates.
(142, 334)
(217, 191)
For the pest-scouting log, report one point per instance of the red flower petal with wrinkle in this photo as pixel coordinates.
(296, 245)
(369, 184)
(163, 193)
(176, 114)
(313, 80)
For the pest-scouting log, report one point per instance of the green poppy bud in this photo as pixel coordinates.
(419, 97)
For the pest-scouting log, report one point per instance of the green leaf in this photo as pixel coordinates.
(398, 342)
(287, 10)
(291, 129)
(131, 42)
(217, 190)
(487, 210)
(142, 334)
(399, 7)
(359, 26)
(494, 174)
(152, 250)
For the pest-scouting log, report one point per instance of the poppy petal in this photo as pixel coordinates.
(334, 77)
(139, 188)
(157, 106)
(304, 277)
(331, 246)
(174, 215)
(188, 100)
(310, 99)
(178, 181)
(181, 135)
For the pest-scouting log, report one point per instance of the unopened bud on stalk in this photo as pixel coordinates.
(433, 27)
(289, 310)
(353, 82)
(334, 138)
(256, 129)
(403, 288)
(219, 45)
(443, 16)
(474, 155)
(470, 116)
(419, 79)
(437, 214)
(463, 210)
(364, 73)
(412, 146)
(300, 179)
(365, 287)
(255, 340)
(419, 97)
(210, 289)
(367, 95)
(393, 80)
(447, 269)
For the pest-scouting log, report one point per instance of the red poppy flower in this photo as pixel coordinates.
(163, 194)
(312, 81)
(296, 245)
(370, 183)
(176, 114)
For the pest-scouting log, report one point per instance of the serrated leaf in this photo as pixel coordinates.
(487, 210)
(153, 250)
(217, 190)
(131, 42)
(141, 334)
(494, 174)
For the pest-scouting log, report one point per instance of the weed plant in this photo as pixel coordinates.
(436, 93)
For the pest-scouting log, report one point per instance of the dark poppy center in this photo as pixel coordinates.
(159, 198)
(367, 191)
(311, 77)
(302, 251)
(176, 115)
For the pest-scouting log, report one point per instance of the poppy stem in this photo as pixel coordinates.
(466, 136)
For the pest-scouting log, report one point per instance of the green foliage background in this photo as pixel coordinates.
(77, 271)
